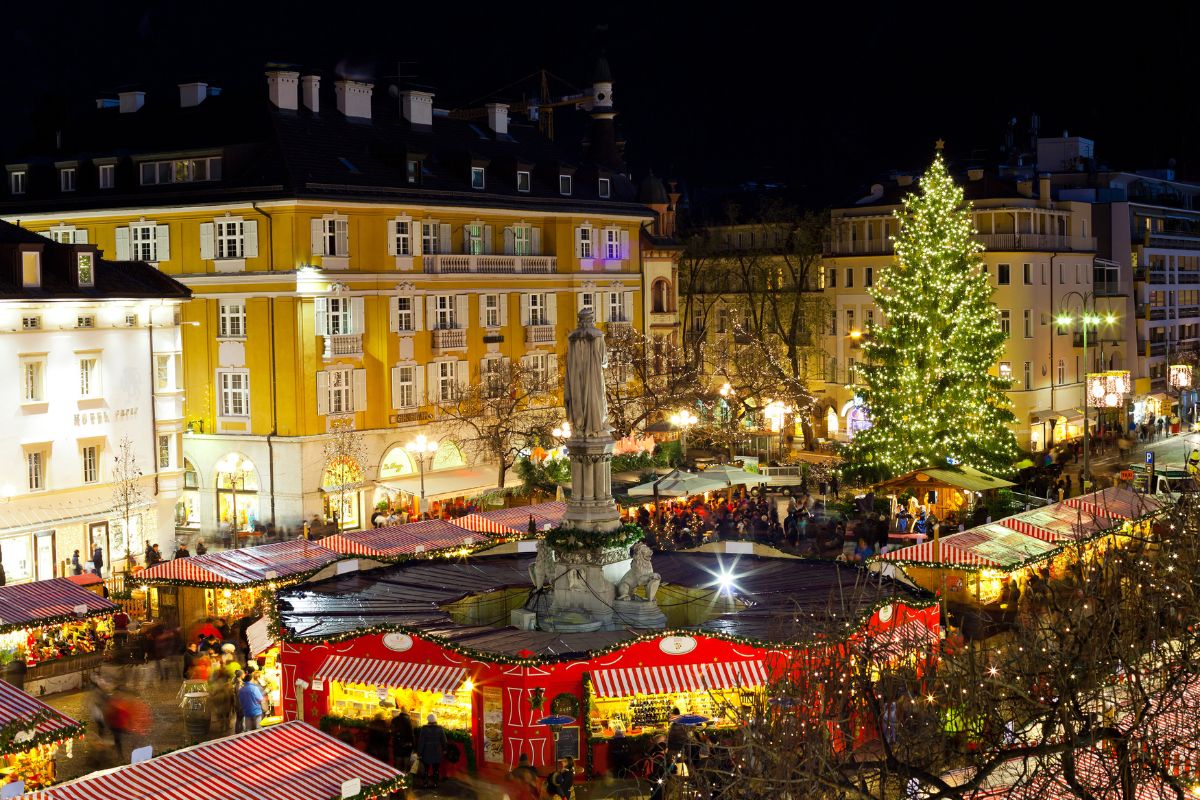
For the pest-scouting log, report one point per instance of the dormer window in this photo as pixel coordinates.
(523, 182)
(183, 170)
(477, 177)
(107, 176)
(66, 179)
(564, 184)
(16, 181)
(414, 170)
(605, 187)
(31, 269)
(85, 269)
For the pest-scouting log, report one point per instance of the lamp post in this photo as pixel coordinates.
(422, 449)
(236, 469)
(1065, 318)
(683, 420)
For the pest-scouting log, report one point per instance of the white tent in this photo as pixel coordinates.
(679, 483)
(731, 475)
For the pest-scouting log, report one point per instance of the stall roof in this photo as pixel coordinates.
(1058, 523)
(960, 477)
(396, 541)
(289, 761)
(410, 596)
(247, 566)
(1117, 502)
(48, 602)
(518, 517)
(992, 545)
(18, 707)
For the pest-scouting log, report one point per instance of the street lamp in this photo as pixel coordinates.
(1066, 318)
(422, 449)
(236, 469)
(775, 412)
(563, 431)
(683, 420)
(1179, 376)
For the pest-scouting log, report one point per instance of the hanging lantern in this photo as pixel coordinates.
(1179, 376)
(1107, 389)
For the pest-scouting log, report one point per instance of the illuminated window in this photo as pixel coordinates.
(31, 269)
(477, 177)
(35, 465)
(164, 451)
(235, 393)
(231, 319)
(91, 464)
(1006, 370)
(83, 269)
(523, 183)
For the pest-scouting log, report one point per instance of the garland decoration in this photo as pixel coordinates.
(10, 732)
(564, 538)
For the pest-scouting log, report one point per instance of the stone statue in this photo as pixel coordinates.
(541, 571)
(583, 394)
(641, 573)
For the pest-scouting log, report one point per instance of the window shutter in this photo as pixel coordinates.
(580, 301)
(536, 240)
(391, 237)
(503, 310)
(320, 315)
(435, 388)
(396, 388)
(81, 236)
(624, 244)
(462, 374)
(358, 316)
(342, 237)
(483, 310)
(444, 237)
(488, 246)
(627, 306)
(322, 393)
(123, 243)
(418, 313)
(250, 239)
(551, 308)
(510, 241)
(318, 240)
(208, 248)
(360, 390)
(393, 315)
(431, 310)
(608, 306)
(418, 386)
(162, 242)
(460, 311)
(579, 242)
(524, 309)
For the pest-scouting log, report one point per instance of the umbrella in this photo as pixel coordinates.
(556, 719)
(691, 719)
(731, 475)
(678, 483)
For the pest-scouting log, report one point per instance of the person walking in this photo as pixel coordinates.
(98, 561)
(239, 717)
(251, 699)
(76, 566)
(431, 744)
(404, 739)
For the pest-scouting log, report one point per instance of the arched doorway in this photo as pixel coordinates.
(448, 456)
(237, 493)
(187, 509)
(857, 416)
(396, 503)
(660, 296)
(340, 484)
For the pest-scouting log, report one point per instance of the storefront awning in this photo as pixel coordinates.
(289, 761)
(49, 602)
(681, 678)
(246, 566)
(18, 709)
(261, 636)
(450, 483)
(481, 524)
(397, 674)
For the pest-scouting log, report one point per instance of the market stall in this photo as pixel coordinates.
(291, 761)
(945, 492)
(1061, 522)
(30, 734)
(262, 639)
(1117, 502)
(230, 583)
(50, 631)
(394, 542)
(518, 517)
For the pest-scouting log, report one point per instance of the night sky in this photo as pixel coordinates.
(821, 101)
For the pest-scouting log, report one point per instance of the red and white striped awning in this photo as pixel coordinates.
(518, 517)
(902, 640)
(408, 539)
(481, 524)
(399, 674)
(924, 553)
(1116, 502)
(27, 605)
(246, 565)
(1058, 523)
(678, 678)
(289, 761)
(17, 706)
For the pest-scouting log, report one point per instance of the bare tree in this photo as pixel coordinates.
(128, 494)
(647, 378)
(511, 409)
(345, 455)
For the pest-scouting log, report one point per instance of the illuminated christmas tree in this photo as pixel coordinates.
(930, 383)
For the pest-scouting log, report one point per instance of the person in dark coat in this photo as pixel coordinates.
(404, 739)
(98, 561)
(379, 738)
(76, 565)
(3, 577)
(431, 744)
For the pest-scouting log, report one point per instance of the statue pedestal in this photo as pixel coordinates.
(591, 506)
(638, 614)
(584, 590)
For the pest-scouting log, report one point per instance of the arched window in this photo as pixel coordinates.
(448, 456)
(396, 463)
(237, 493)
(660, 296)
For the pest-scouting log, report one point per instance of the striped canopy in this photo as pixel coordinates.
(27, 605)
(992, 545)
(1058, 523)
(409, 539)
(950, 555)
(543, 514)
(902, 640)
(289, 761)
(1116, 502)
(678, 678)
(482, 524)
(16, 707)
(445, 679)
(246, 566)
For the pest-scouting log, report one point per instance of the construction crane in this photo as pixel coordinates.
(532, 108)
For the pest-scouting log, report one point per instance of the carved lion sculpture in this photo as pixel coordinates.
(641, 573)
(541, 571)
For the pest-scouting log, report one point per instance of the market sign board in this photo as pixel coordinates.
(677, 645)
(397, 642)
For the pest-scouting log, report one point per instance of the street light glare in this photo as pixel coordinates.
(1110, 319)
(1063, 319)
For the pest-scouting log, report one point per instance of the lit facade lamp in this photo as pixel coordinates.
(237, 469)
(683, 420)
(563, 431)
(422, 449)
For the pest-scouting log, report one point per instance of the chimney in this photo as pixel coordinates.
(353, 99)
(975, 174)
(668, 227)
(284, 89)
(1045, 199)
(130, 102)
(310, 86)
(417, 107)
(192, 94)
(497, 117)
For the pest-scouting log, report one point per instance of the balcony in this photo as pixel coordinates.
(449, 338)
(1036, 241)
(490, 264)
(1152, 348)
(619, 325)
(1173, 239)
(343, 345)
(871, 247)
(539, 334)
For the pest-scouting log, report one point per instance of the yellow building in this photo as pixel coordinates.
(358, 259)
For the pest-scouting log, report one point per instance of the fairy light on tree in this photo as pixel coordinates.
(929, 381)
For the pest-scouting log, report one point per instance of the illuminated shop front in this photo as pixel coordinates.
(237, 493)
(187, 508)
(37, 732)
(340, 484)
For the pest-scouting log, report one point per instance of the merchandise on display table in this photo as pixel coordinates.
(643, 714)
(358, 701)
(39, 645)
